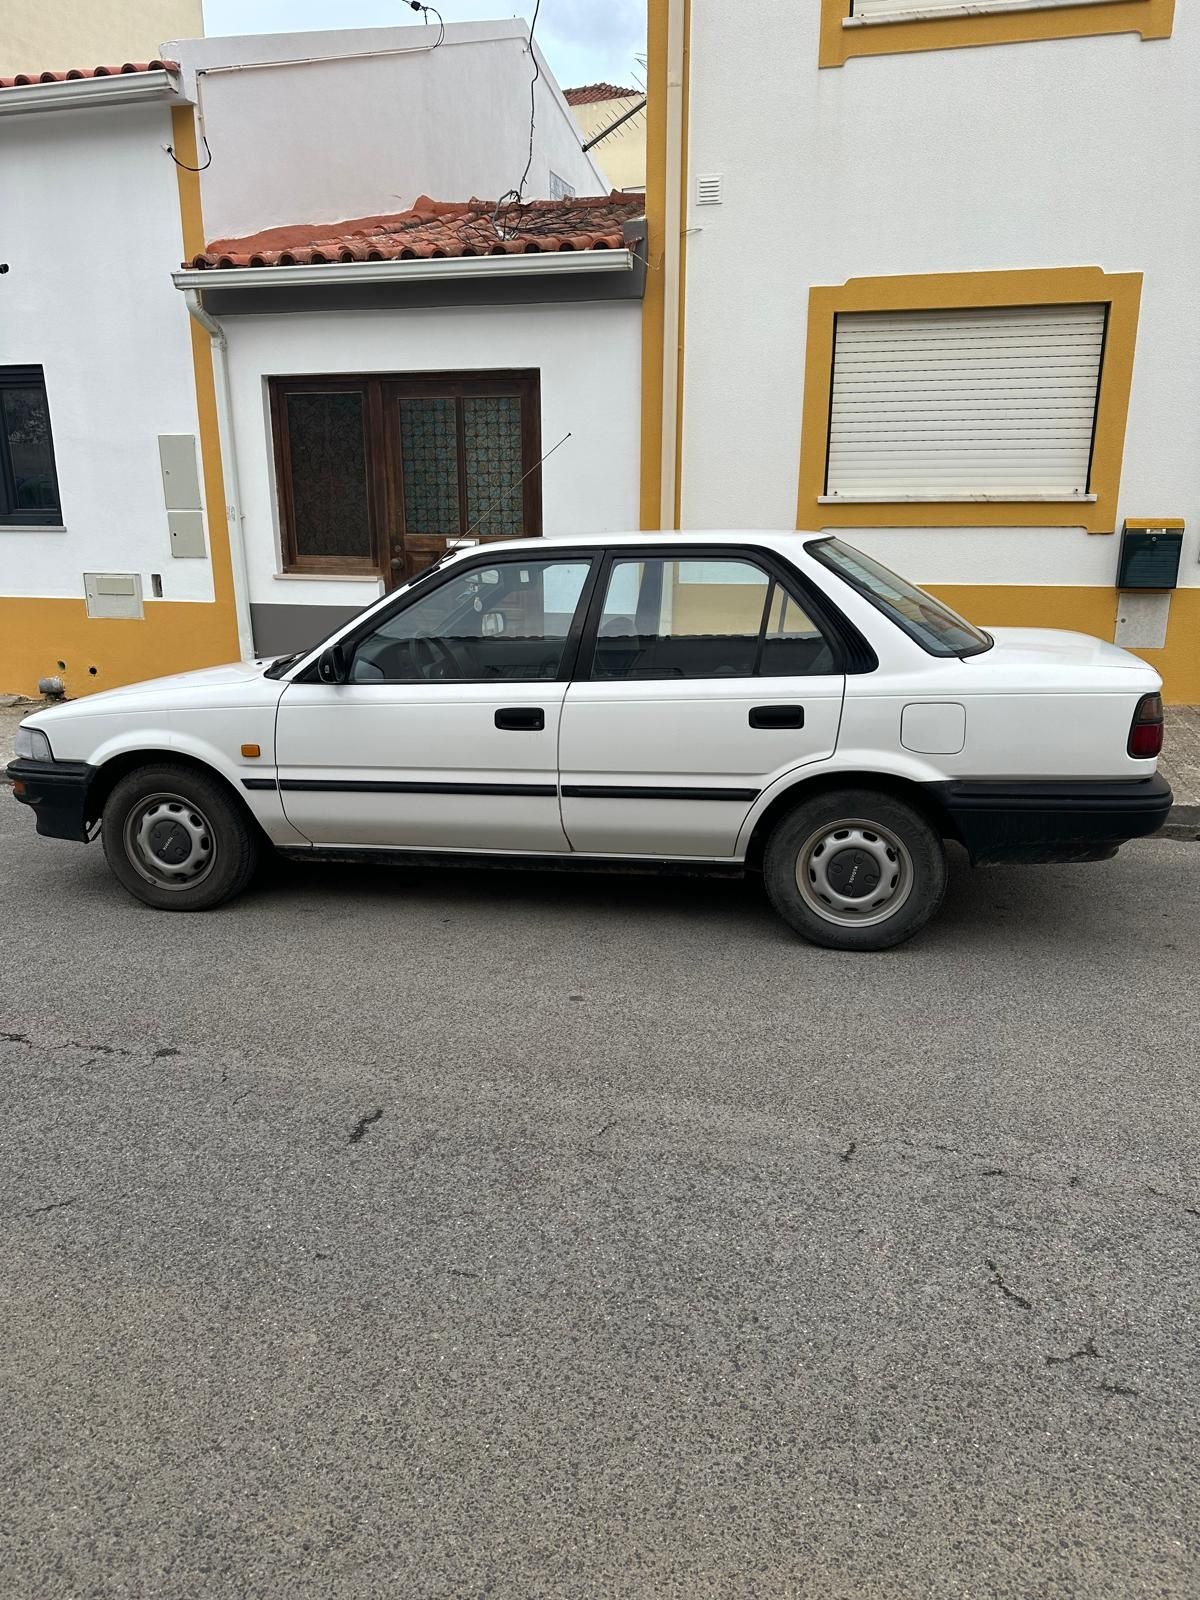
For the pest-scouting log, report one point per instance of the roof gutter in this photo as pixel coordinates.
(77, 94)
(542, 263)
(229, 469)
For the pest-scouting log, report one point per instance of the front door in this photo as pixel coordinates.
(462, 465)
(445, 737)
(702, 680)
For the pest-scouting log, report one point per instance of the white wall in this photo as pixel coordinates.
(324, 140)
(88, 296)
(589, 357)
(1076, 152)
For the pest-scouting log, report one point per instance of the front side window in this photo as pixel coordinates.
(376, 473)
(935, 627)
(508, 621)
(28, 479)
(703, 619)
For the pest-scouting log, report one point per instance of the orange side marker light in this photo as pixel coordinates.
(250, 751)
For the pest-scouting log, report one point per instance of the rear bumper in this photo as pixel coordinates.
(57, 791)
(1077, 821)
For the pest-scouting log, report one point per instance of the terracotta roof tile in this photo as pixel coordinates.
(590, 93)
(72, 74)
(436, 228)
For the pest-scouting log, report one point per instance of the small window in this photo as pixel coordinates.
(702, 619)
(560, 189)
(935, 627)
(509, 621)
(28, 479)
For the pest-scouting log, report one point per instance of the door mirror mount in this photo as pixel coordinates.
(332, 665)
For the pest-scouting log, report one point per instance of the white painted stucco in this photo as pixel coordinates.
(321, 127)
(88, 297)
(1075, 152)
(589, 360)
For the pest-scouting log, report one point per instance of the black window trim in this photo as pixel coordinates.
(28, 375)
(852, 654)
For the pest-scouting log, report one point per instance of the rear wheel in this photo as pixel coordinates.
(853, 869)
(176, 839)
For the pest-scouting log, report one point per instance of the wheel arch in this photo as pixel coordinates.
(917, 795)
(110, 772)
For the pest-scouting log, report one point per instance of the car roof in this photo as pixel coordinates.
(774, 538)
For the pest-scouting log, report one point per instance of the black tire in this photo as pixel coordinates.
(178, 808)
(888, 860)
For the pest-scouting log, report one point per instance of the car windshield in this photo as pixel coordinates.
(935, 627)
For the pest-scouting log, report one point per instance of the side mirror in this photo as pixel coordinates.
(331, 665)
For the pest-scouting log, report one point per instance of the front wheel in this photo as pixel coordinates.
(176, 839)
(853, 869)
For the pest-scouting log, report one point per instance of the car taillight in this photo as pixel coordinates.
(1146, 730)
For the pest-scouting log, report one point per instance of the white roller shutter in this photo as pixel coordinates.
(996, 403)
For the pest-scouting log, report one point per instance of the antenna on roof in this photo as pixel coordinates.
(516, 485)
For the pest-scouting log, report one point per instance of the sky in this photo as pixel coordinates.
(585, 41)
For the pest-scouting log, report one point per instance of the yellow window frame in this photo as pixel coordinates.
(1153, 19)
(1121, 292)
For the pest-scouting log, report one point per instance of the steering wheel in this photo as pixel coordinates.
(435, 658)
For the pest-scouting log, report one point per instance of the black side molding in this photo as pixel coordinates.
(600, 791)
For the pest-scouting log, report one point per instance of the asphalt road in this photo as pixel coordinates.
(521, 1237)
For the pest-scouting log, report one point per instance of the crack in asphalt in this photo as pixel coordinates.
(1009, 1294)
(55, 1205)
(1088, 1352)
(358, 1132)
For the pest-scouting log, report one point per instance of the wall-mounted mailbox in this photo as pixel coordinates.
(1150, 554)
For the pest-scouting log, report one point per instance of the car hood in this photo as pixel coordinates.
(1055, 647)
(207, 686)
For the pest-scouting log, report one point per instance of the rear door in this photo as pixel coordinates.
(702, 677)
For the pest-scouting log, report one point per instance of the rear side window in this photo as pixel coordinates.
(935, 627)
(703, 619)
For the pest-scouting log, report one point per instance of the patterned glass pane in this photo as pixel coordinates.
(492, 435)
(329, 475)
(26, 423)
(429, 448)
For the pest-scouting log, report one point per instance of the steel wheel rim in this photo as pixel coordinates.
(170, 842)
(854, 873)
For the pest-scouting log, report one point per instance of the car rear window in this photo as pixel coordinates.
(935, 627)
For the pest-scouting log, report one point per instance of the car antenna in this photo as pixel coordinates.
(516, 485)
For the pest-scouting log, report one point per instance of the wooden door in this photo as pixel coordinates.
(461, 462)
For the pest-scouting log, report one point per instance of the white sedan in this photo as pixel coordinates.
(773, 702)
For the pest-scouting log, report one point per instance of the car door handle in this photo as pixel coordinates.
(776, 716)
(531, 717)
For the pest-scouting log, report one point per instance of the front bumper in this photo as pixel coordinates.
(58, 793)
(1075, 821)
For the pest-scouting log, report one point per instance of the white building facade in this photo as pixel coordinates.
(933, 285)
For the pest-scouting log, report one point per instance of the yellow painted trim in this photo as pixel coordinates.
(654, 300)
(942, 291)
(1175, 523)
(684, 180)
(183, 135)
(1153, 19)
(1087, 610)
(174, 636)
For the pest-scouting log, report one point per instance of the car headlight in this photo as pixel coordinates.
(32, 744)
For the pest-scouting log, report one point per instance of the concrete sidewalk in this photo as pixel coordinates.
(1180, 762)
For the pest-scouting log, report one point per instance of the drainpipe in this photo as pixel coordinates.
(229, 469)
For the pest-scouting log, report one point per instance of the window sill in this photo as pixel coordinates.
(955, 499)
(32, 527)
(327, 577)
(981, 8)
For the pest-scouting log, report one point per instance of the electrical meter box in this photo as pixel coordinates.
(1150, 554)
